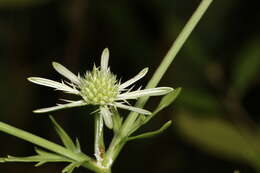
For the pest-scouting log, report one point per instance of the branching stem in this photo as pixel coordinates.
(119, 140)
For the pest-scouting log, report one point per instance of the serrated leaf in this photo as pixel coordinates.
(42, 157)
(66, 140)
(21, 3)
(246, 67)
(219, 138)
(151, 134)
(71, 167)
(40, 163)
(46, 154)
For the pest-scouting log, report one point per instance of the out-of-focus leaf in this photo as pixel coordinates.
(246, 67)
(219, 138)
(199, 100)
(21, 3)
(151, 134)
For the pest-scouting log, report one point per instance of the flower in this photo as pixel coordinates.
(98, 87)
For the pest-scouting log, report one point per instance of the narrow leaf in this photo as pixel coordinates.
(141, 119)
(78, 147)
(42, 158)
(168, 99)
(165, 102)
(71, 167)
(152, 134)
(36, 158)
(66, 140)
(40, 164)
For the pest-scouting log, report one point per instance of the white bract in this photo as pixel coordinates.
(98, 87)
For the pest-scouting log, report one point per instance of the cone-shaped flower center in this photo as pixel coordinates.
(99, 87)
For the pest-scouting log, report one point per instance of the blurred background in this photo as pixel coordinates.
(216, 117)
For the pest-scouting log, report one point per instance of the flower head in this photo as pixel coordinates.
(98, 87)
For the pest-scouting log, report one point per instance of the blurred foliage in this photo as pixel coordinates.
(21, 3)
(247, 66)
(233, 134)
(218, 137)
(218, 70)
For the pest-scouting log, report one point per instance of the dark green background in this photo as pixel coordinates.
(138, 34)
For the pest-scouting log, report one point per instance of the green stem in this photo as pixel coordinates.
(114, 149)
(119, 140)
(79, 157)
(166, 62)
(99, 146)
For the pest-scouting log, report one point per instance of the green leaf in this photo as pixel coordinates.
(218, 137)
(71, 167)
(153, 133)
(168, 99)
(246, 67)
(141, 120)
(165, 102)
(41, 157)
(66, 140)
(21, 3)
(78, 147)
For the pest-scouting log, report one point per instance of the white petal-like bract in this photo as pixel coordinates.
(132, 108)
(53, 84)
(61, 106)
(146, 92)
(66, 73)
(99, 87)
(140, 75)
(107, 116)
(104, 59)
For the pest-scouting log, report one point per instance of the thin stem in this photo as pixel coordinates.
(114, 149)
(174, 50)
(119, 140)
(99, 146)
